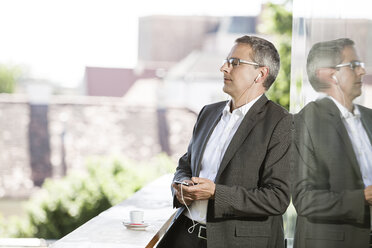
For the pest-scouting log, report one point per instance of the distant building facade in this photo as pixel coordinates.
(76, 128)
(137, 112)
(113, 81)
(165, 40)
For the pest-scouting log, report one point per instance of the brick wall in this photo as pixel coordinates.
(80, 127)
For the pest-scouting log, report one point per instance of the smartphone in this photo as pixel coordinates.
(183, 183)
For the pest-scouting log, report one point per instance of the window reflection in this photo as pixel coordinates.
(333, 124)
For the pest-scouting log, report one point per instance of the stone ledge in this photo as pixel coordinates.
(24, 242)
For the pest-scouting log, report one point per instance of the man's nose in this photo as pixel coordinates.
(361, 71)
(225, 68)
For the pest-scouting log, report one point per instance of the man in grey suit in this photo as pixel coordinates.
(333, 168)
(237, 164)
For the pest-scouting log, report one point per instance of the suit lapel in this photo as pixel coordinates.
(242, 132)
(335, 117)
(211, 124)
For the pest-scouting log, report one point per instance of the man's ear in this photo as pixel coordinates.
(326, 75)
(264, 72)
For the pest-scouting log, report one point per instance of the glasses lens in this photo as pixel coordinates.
(234, 61)
(355, 64)
(231, 61)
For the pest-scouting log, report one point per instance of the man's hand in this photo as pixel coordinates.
(368, 194)
(187, 198)
(203, 190)
(199, 189)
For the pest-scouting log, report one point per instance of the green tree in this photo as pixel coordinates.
(63, 205)
(8, 78)
(277, 21)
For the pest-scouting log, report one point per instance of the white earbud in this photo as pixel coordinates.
(334, 77)
(258, 77)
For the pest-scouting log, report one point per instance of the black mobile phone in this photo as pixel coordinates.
(183, 183)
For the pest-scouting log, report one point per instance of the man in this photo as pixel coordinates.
(236, 164)
(333, 178)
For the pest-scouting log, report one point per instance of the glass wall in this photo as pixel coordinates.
(331, 97)
(319, 20)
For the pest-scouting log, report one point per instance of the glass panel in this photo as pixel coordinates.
(333, 123)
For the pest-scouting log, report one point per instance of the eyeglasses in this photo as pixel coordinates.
(235, 62)
(352, 65)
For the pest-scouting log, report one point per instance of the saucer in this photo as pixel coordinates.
(133, 226)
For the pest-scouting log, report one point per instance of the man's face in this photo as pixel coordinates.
(350, 80)
(239, 79)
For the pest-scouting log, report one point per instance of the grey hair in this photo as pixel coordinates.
(264, 53)
(326, 54)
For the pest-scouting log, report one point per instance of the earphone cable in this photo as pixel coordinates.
(194, 224)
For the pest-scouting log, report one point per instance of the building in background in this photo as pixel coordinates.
(136, 113)
(185, 51)
(196, 80)
(113, 82)
(165, 40)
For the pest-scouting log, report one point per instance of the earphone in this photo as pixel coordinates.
(339, 89)
(258, 77)
(334, 77)
(249, 86)
(194, 224)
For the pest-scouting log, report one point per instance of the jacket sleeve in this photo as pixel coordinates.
(183, 170)
(272, 195)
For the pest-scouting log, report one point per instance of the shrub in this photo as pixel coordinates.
(63, 205)
(9, 75)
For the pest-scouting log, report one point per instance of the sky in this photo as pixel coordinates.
(333, 8)
(55, 40)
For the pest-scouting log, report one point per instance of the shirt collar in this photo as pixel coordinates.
(242, 110)
(345, 113)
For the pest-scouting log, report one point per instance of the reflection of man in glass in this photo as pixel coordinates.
(333, 180)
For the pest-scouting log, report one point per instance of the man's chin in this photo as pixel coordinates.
(225, 89)
(358, 93)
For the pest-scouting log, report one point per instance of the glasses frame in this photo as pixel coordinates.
(352, 65)
(240, 61)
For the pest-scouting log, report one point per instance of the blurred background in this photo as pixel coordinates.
(108, 92)
(97, 98)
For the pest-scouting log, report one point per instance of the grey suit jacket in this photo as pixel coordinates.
(252, 183)
(328, 186)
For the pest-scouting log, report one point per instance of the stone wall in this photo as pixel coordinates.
(81, 127)
(15, 170)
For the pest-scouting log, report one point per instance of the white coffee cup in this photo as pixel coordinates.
(136, 216)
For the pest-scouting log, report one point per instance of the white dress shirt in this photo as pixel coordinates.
(360, 141)
(215, 150)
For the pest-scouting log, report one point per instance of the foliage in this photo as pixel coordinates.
(63, 205)
(8, 78)
(278, 21)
